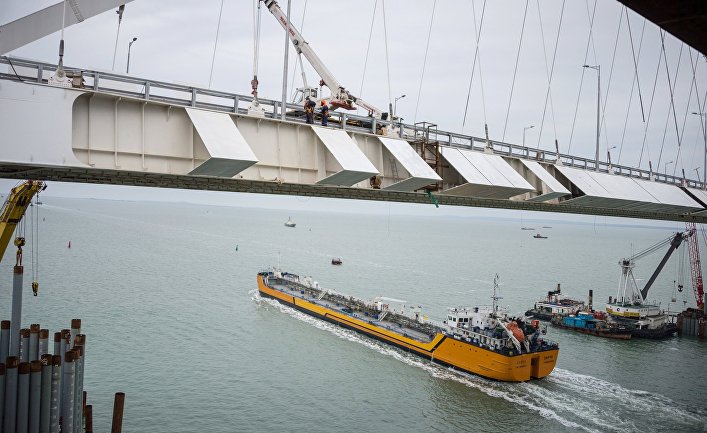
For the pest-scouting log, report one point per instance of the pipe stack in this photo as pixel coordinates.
(41, 391)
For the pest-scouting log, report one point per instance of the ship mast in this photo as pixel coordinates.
(495, 297)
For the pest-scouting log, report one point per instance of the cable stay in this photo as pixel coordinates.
(671, 87)
(548, 93)
(634, 83)
(648, 120)
(477, 34)
(387, 60)
(581, 80)
(515, 70)
(635, 60)
(608, 85)
(368, 49)
(213, 56)
(424, 62)
(298, 62)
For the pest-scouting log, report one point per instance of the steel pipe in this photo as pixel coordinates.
(35, 395)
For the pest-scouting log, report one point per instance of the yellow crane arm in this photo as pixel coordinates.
(14, 209)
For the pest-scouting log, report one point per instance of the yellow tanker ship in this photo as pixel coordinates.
(478, 340)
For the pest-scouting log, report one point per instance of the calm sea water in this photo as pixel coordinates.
(173, 319)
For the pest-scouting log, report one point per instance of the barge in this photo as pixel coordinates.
(480, 340)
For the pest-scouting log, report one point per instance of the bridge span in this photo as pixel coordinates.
(116, 129)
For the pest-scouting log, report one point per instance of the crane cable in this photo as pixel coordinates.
(34, 231)
(368, 49)
(548, 94)
(581, 80)
(635, 82)
(256, 47)
(424, 62)
(387, 61)
(477, 33)
(213, 57)
(515, 70)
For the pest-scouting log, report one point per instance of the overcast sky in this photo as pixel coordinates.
(176, 40)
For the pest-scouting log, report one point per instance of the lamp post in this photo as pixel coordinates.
(525, 129)
(395, 105)
(608, 155)
(130, 45)
(704, 134)
(665, 168)
(598, 69)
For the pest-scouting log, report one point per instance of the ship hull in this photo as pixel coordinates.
(596, 332)
(441, 349)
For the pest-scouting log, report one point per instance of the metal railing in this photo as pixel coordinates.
(191, 96)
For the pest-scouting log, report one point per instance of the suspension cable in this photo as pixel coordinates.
(581, 80)
(424, 62)
(368, 49)
(515, 70)
(634, 82)
(213, 56)
(387, 59)
(477, 34)
(548, 93)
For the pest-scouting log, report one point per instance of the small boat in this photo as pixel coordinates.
(539, 236)
(555, 304)
(290, 223)
(336, 261)
(586, 323)
(547, 227)
(527, 228)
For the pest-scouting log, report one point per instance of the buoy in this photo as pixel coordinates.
(69, 245)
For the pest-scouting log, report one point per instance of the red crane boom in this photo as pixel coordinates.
(695, 264)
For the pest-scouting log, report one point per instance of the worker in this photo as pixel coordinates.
(325, 113)
(309, 110)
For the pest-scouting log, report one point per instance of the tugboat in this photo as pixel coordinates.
(336, 261)
(479, 340)
(539, 236)
(289, 222)
(554, 304)
(630, 308)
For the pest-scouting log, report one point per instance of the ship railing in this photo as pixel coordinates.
(37, 72)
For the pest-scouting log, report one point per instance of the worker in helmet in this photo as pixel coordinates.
(309, 110)
(325, 113)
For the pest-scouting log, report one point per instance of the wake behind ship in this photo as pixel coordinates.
(479, 340)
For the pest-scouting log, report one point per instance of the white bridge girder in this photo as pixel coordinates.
(104, 137)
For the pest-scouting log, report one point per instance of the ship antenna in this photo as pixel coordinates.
(495, 297)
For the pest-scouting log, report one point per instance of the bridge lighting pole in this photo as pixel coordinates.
(704, 134)
(665, 168)
(598, 69)
(395, 105)
(525, 129)
(608, 155)
(130, 45)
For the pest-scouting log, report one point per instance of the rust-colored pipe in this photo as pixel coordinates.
(117, 425)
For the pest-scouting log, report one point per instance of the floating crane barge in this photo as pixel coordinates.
(478, 340)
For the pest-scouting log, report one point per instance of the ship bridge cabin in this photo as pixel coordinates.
(468, 318)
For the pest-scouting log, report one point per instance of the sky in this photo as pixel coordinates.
(176, 41)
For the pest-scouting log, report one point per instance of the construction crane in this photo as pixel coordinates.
(638, 297)
(340, 97)
(695, 264)
(13, 210)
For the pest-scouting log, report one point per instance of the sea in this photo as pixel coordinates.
(167, 296)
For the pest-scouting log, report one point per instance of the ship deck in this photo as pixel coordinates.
(290, 289)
